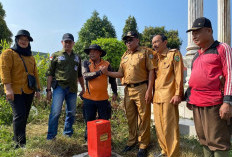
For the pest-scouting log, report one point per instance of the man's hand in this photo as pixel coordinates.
(104, 69)
(175, 100)
(37, 95)
(189, 106)
(49, 95)
(224, 111)
(114, 97)
(9, 92)
(148, 96)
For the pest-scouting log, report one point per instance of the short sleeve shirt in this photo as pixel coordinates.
(66, 69)
(169, 76)
(136, 66)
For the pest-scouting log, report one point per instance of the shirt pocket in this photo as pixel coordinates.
(139, 60)
(61, 64)
(125, 59)
(165, 67)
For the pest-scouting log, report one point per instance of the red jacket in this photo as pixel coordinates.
(204, 84)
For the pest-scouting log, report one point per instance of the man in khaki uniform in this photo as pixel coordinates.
(168, 94)
(137, 70)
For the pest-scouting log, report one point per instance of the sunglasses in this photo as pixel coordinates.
(129, 40)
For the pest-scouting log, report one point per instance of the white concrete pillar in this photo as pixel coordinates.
(195, 10)
(224, 21)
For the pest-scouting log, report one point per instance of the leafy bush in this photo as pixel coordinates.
(114, 50)
(42, 63)
(5, 112)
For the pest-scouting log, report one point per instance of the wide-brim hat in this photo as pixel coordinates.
(24, 33)
(130, 34)
(95, 47)
(199, 23)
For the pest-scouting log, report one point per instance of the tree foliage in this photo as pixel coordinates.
(130, 25)
(94, 28)
(2, 11)
(173, 37)
(114, 50)
(5, 33)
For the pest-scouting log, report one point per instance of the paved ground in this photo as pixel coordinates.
(86, 155)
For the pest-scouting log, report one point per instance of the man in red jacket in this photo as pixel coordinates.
(207, 96)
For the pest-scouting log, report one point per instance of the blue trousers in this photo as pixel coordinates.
(59, 95)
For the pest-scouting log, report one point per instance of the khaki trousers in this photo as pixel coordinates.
(138, 115)
(166, 117)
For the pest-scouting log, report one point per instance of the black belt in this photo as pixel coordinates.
(136, 84)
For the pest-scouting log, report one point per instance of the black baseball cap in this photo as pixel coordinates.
(68, 36)
(95, 47)
(199, 23)
(23, 32)
(130, 34)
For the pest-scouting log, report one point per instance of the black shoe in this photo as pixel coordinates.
(128, 148)
(17, 146)
(142, 153)
(160, 155)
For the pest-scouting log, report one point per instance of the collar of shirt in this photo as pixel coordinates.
(163, 54)
(63, 51)
(137, 49)
(96, 65)
(214, 45)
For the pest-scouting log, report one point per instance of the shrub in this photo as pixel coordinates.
(5, 112)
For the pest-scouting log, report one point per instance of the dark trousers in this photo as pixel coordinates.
(21, 107)
(91, 108)
(212, 131)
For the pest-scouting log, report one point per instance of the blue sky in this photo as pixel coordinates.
(48, 20)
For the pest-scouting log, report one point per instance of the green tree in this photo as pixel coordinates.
(4, 45)
(130, 25)
(173, 37)
(5, 33)
(94, 28)
(114, 50)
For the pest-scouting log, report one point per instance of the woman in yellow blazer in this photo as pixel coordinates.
(15, 80)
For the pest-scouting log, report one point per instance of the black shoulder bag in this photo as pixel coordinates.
(31, 79)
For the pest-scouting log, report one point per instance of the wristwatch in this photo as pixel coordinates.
(48, 90)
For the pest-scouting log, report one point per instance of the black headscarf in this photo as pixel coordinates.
(20, 50)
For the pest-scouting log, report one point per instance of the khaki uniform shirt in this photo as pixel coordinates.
(66, 69)
(169, 76)
(136, 66)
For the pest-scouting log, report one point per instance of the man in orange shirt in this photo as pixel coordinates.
(96, 96)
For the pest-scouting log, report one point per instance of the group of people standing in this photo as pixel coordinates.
(149, 76)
